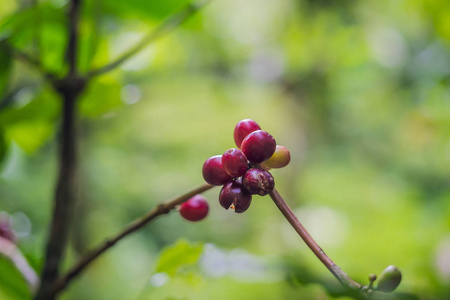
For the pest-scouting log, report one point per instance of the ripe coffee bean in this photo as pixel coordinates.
(234, 193)
(213, 171)
(279, 159)
(244, 128)
(194, 209)
(258, 182)
(258, 146)
(234, 162)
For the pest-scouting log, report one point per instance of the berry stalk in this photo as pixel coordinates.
(311, 243)
(163, 208)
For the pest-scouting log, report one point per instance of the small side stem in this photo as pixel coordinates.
(160, 209)
(311, 243)
(165, 27)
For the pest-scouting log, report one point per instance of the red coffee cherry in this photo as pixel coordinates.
(213, 171)
(234, 162)
(258, 146)
(234, 193)
(244, 128)
(195, 209)
(258, 182)
(279, 159)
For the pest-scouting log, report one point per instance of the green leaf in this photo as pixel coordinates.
(32, 124)
(144, 8)
(5, 70)
(102, 96)
(30, 136)
(42, 26)
(12, 285)
(3, 146)
(43, 106)
(179, 256)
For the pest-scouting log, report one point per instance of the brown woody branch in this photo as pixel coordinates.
(160, 209)
(69, 88)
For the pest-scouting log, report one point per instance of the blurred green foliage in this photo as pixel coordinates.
(357, 90)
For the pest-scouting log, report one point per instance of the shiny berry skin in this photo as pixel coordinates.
(234, 162)
(194, 209)
(258, 182)
(258, 146)
(244, 128)
(234, 193)
(213, 171)
(279, 159)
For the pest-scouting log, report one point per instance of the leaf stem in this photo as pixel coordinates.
(311, 243)
(169, 24)
(160, 209)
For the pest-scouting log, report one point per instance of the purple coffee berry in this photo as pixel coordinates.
(234, 193)
(234, 162)
(244, 128)
(258, 146)
(195, 209)
(213, 171)
(258, 182)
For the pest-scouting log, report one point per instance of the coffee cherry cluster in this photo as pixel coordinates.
(243, 171)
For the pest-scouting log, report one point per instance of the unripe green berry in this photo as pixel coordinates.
(389, 279)
(279, 159)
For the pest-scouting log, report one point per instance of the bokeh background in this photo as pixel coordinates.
(357, 90)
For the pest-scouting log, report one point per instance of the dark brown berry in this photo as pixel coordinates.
(258, 182)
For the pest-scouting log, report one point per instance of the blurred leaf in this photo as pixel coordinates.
(31, 125)
(3, 146)
(5, 70)
(144, 8)
(30, 135)
(30, 107)
(102, 96)
(12, 285)
(48, 29)
(89, 39)
(182, 254)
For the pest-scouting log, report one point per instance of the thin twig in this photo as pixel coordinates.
(160, 209)
(165, 27)
(312, 244)
(9, 250)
